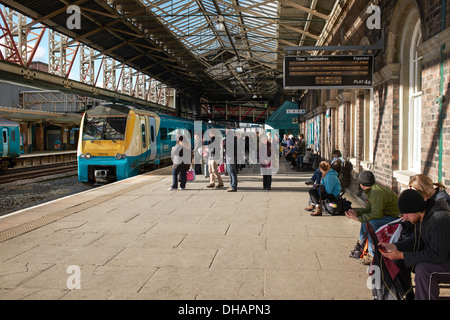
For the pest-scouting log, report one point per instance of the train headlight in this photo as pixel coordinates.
(124, 156)
(88, 156)
(82, 156)
(118, 156)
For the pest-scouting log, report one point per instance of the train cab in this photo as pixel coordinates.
(10, 144)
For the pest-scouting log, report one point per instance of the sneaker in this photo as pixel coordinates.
(170, 189)
(231, 190)
(210, 186)
(180, 188)
(309, 182)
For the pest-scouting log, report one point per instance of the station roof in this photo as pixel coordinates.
(178, 42)
(35, 116)
(281, 120)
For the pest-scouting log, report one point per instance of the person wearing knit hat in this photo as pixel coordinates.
(411, 201)
(381, 208)
(430, 256)
(366, 178)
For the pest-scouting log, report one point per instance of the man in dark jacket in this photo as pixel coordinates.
(427, 251)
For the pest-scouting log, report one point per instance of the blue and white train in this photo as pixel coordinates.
(10, 144)
(117, 142)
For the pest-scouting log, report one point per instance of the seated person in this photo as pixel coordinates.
(428, 189)
(336, 159)
(289, 144)
(430, 256)
(330, 188)
(381, 208)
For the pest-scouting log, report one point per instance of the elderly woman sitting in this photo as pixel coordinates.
(329, 188)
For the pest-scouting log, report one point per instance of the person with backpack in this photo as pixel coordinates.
(427, 251)
(381, 208)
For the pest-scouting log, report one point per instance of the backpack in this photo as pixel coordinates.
(338, 206)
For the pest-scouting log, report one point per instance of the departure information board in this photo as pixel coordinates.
(332, 72)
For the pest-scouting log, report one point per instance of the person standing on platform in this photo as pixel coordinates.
(265, 161)
(212, 164)
(198, 152)
(181, 154)
(301, 149)
(231, 160)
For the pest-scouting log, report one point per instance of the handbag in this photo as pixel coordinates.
(190, 175)
(221, 168)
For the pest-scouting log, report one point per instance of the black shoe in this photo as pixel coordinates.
(309, 182)
(356, 252)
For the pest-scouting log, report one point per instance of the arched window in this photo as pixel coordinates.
(410, 125)
(415, 101)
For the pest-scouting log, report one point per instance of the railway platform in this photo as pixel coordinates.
(134, 239)
(37, 158)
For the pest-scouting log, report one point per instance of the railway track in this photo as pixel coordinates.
(23, 173)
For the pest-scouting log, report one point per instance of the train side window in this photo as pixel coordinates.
(152, 133)
(171, 133)
(163, 133)
(4, 137)
(144, 145)
(13, 135)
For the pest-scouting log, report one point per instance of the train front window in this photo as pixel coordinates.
(104, 128)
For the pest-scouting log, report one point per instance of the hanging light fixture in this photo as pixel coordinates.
(220, 25)
(239, 68)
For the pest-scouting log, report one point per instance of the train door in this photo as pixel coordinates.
(143, 128)
(153, 147)
(5, 141)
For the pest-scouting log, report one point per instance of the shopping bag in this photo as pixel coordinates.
(221, 168)
(190, 175)
(390, 232)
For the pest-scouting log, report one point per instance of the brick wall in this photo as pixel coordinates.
(386, 134)
(386, 93)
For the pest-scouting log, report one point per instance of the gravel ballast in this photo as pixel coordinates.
(27, 193)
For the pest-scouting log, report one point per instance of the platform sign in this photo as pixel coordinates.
(295, 111)
(328, 72)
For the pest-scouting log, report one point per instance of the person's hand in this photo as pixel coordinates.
(390, 251)
(351, 214)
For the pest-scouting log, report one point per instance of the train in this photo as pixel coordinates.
(10, 144)
(117, 141)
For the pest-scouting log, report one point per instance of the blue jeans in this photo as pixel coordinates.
(317, 176)
(376, 223)
(232, 172)
(299, 161)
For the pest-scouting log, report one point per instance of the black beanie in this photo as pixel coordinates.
(411, 201)
(366, 178)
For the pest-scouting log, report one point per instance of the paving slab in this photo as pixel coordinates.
(134, 239)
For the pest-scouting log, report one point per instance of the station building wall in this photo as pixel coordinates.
(392, 129)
